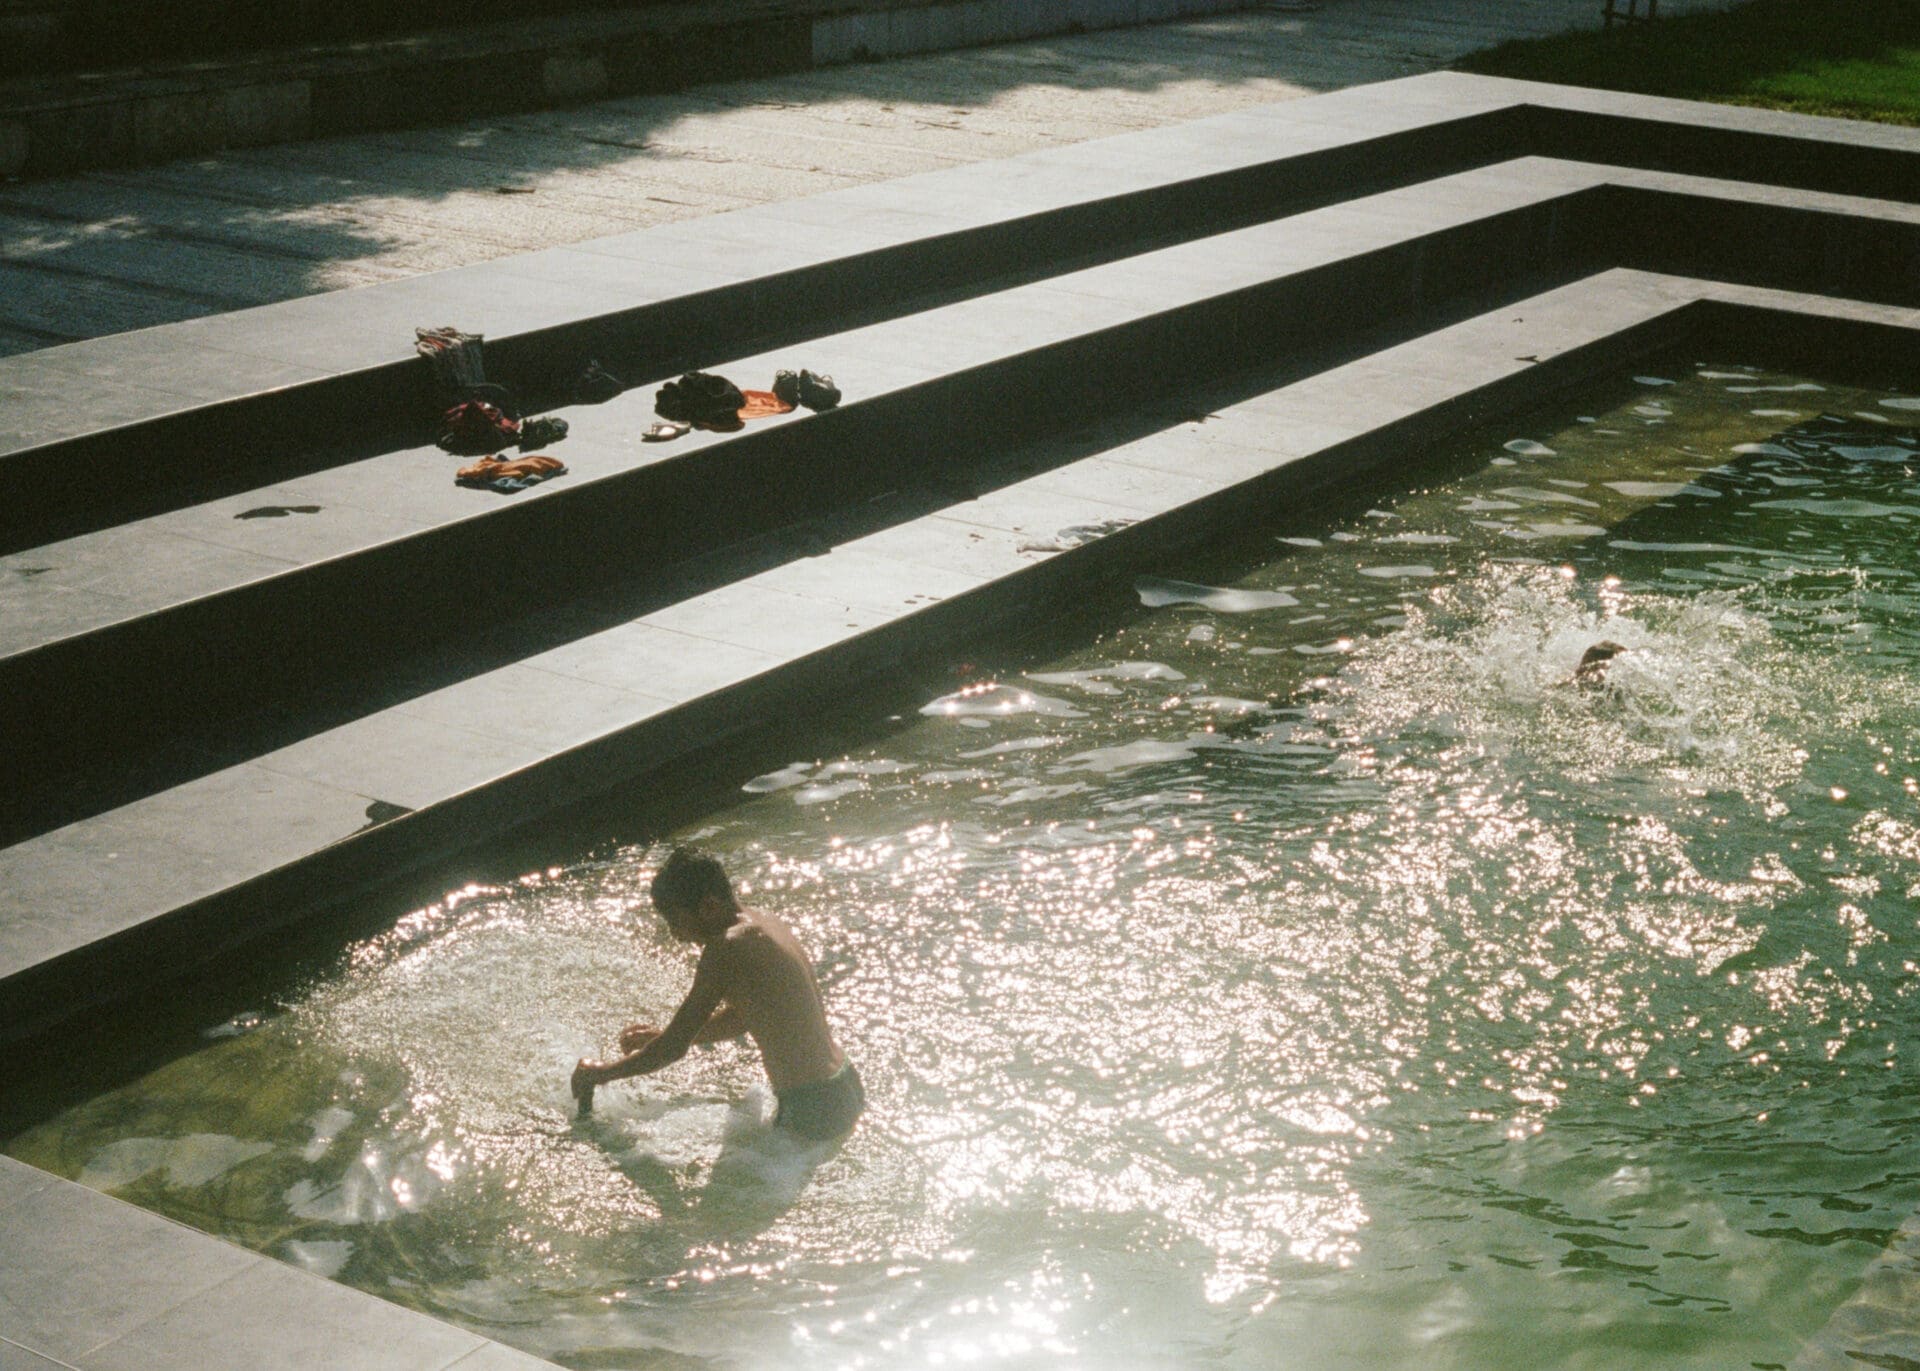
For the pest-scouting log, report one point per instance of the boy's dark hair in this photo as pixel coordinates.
(688, 876)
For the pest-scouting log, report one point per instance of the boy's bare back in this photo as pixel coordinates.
(764, 974)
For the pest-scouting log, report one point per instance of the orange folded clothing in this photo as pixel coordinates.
(763, 404)
(508, 475)
(756, 404)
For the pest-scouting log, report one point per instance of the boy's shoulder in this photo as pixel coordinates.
(753, 937)
(737, 941)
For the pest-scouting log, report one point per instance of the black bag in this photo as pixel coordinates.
(700, 398)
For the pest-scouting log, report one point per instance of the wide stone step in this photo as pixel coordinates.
(170, 625)
(186, 412)
(643, 682)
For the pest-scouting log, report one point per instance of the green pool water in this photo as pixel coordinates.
(1299, 973)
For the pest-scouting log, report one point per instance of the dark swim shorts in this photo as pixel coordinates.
(826, 1109)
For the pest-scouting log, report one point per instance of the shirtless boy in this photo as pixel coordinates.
(753, 978)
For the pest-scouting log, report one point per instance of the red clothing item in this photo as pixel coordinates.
(474, 426)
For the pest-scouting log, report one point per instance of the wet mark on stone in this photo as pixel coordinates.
(32, 570)
(1078, 535)
(276, 511)
(380, 812)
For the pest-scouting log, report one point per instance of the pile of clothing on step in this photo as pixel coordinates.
(482, 419)
(702, 400)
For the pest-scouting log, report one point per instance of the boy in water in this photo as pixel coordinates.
(753, 978)
(1592, 671)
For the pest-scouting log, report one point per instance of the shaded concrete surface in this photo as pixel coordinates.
(109, 251)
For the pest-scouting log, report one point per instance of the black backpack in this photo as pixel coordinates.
(700, 398)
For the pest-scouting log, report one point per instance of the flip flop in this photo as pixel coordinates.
(661, 433)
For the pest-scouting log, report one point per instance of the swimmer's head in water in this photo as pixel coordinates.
(1595, 660)
(691, 891)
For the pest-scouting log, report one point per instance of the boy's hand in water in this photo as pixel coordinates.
(586, 1075)
(637, 1036)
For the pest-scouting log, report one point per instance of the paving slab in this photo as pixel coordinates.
(495, 1357)
(83, 1270)
(656, 661)
(18, 1180)
(272, 1315)
(14, 1357)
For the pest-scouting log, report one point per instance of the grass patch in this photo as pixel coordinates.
(1858, 59)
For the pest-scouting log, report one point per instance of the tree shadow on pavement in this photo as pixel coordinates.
(119, 249)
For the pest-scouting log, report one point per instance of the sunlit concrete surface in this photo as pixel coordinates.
(114, 250)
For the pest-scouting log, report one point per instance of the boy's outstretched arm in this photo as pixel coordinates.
(708, 991)
(728, 1021)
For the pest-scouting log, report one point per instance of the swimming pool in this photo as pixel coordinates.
(1299, 972)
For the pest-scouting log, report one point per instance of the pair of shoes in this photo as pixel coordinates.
(807, 388)
(542, 431)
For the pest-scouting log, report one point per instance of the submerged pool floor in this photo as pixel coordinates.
(1301, 972)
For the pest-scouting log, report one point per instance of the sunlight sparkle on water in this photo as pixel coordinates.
(1305, 972)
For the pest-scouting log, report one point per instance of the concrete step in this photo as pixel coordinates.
(169, 416)
(170, 625)
(644, 679)
(182, 414)
(1080, 279)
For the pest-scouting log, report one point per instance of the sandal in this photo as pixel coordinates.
(664, 432)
